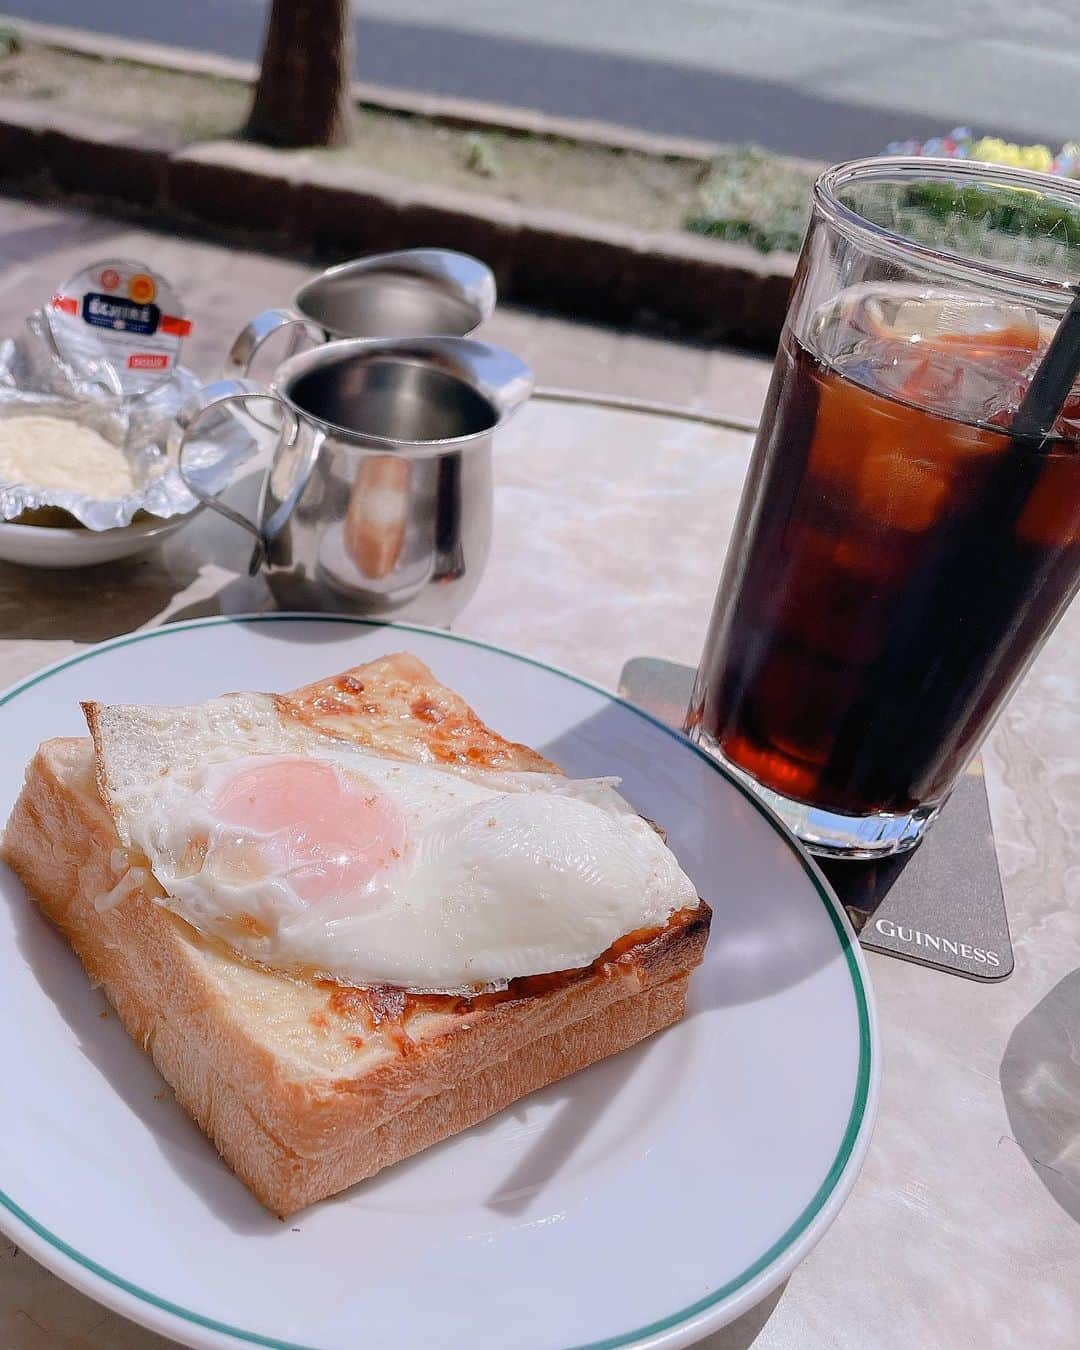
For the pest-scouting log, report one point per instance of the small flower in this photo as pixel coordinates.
(961, 143)
(1037, 158)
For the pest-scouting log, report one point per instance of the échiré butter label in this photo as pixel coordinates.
(119, 323)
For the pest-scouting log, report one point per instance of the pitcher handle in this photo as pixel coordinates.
(218, 395)
(252, 336)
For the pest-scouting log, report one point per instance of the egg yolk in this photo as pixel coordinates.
(328, 832)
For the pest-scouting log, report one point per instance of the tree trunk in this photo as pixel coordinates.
(302, 95)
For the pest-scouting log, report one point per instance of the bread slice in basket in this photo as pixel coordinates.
(304, 1085)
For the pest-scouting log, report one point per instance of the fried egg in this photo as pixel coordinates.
(305, 852)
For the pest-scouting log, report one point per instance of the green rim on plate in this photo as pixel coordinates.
(862, 1084)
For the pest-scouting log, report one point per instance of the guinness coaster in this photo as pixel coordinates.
(940, 904)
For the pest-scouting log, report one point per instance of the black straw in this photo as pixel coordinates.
(1053, 381)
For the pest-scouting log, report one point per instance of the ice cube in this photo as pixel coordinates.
(801, 698)
(838, 436)
(1068, 422)
(951, 381)
(1051, 514)
(880, 560)
(962, 318)
(902, 493)
(829, 608)
(773, 767)
(901, 311)
(958, 353)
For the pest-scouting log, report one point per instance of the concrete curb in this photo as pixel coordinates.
(668, 281)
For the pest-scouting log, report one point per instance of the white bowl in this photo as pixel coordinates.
(44, 546)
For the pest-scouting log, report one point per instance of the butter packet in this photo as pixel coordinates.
(104, 354)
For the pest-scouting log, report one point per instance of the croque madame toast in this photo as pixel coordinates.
(305, 1085)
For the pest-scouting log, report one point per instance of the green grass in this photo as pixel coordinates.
(989, 222)
(758, 198)
(754, 197)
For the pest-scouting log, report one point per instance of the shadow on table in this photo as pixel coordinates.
(1040, 1081)
(576, 1107)
(36, 241)
(663, 689)
(862, 886)
(129, 1072)
(744, 1331)
(756, 948)
(308, 628)
(239, 595)
(94, 603)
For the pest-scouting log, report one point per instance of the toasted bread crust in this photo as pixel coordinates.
(302, 1090)
(396, 706)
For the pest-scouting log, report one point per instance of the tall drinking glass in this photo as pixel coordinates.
(909, 532)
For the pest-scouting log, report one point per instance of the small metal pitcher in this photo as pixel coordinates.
(378, 499)
(413, 293)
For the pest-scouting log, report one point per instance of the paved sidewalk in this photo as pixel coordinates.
(41, 246)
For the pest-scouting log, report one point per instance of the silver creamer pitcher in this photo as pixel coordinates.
(412, 293)
(378, 499)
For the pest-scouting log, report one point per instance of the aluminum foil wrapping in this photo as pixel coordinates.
(35, 380)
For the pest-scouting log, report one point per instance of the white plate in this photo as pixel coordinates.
(643, 1202)
(45, 546)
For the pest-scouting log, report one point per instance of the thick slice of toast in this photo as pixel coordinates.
(306, 1086)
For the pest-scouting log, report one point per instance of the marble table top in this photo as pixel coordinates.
(611, 527)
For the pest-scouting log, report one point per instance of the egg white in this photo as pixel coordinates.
(505, 874)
